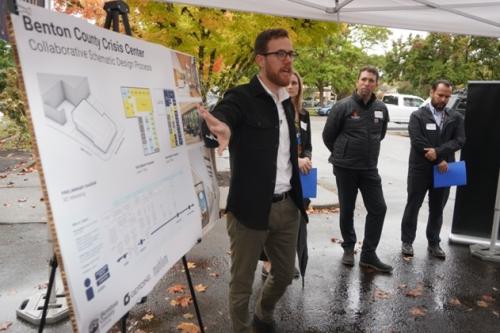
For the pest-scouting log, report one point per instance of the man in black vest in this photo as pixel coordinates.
(265, 196)
(352, 133)
(436, 133)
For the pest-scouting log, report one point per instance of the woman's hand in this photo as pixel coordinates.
(305, 165)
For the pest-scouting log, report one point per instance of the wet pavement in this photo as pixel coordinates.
(424, 294)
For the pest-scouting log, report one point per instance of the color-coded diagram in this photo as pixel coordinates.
(138, 104)
(173, 119)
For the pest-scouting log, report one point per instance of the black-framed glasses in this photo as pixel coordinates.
(282, 54)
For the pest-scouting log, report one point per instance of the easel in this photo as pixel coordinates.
(115, 10)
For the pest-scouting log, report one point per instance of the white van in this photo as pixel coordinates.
(401, 106)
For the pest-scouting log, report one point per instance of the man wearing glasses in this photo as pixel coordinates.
(256, 121)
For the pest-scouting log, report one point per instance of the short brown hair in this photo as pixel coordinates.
(260, 46)
(436, 83)
(369, 69)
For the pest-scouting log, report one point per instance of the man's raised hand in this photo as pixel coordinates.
(217, 127)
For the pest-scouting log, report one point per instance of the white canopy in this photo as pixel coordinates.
(471, 17)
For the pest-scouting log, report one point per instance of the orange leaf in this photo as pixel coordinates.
(176, 288)
(191, 265)
(482, 304)
(488, 298)
(188, 328)
(182, 301)
(418, 311)
(200, 288)
(380, 294)
(148, 316)
(336, 240)
(415, 292)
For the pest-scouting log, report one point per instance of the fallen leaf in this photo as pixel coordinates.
(495, 313)
(418, 291)
(10, 184)
(43, 285)
(148, 316)
(191, 265)
(177, 288)
(455, 301)
(42, 199)
(5, 325)
(402, 286)
(407, 258)
(182, 301)
(482, 304)
(201, 288)
(494, 289)
(418, 311)
(380, 294)
(214, 274)
(336, 240)
(22, 200)
(188, 316)
(488, 298)
(6, 204)
(188, 328)
(33, 206)
(2, 176)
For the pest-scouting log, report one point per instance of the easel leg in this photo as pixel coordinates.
(53, 265)
(123, 323)
(193, 295)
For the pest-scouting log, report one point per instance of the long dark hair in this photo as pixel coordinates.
(297, 100)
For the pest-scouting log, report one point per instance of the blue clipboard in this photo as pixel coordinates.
(455, 176)
(309, 181)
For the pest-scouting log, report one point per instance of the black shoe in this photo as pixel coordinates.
(372, 261)
(348, 257)
(436, 251)
(261, 326)
(407, 249)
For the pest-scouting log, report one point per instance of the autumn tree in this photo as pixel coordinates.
(414, 63)
(334, 61)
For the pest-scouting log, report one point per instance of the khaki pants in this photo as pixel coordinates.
(279, 242)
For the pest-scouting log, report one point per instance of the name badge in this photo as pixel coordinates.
(430, 127)
(303, 125)
(379, 114)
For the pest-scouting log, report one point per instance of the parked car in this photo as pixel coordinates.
(401, 106)
(325, 110)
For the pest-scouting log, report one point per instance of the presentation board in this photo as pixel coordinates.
(130, 186)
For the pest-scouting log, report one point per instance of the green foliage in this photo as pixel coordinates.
(13, 127)
(419, 61)
(334, 61)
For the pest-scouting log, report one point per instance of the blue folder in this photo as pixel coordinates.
(309, 182)
(455, 176)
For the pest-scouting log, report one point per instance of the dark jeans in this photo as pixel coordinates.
(369, 184)
(418, 186)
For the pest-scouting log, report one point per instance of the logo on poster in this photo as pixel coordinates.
(94, 326)
(130, 295)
